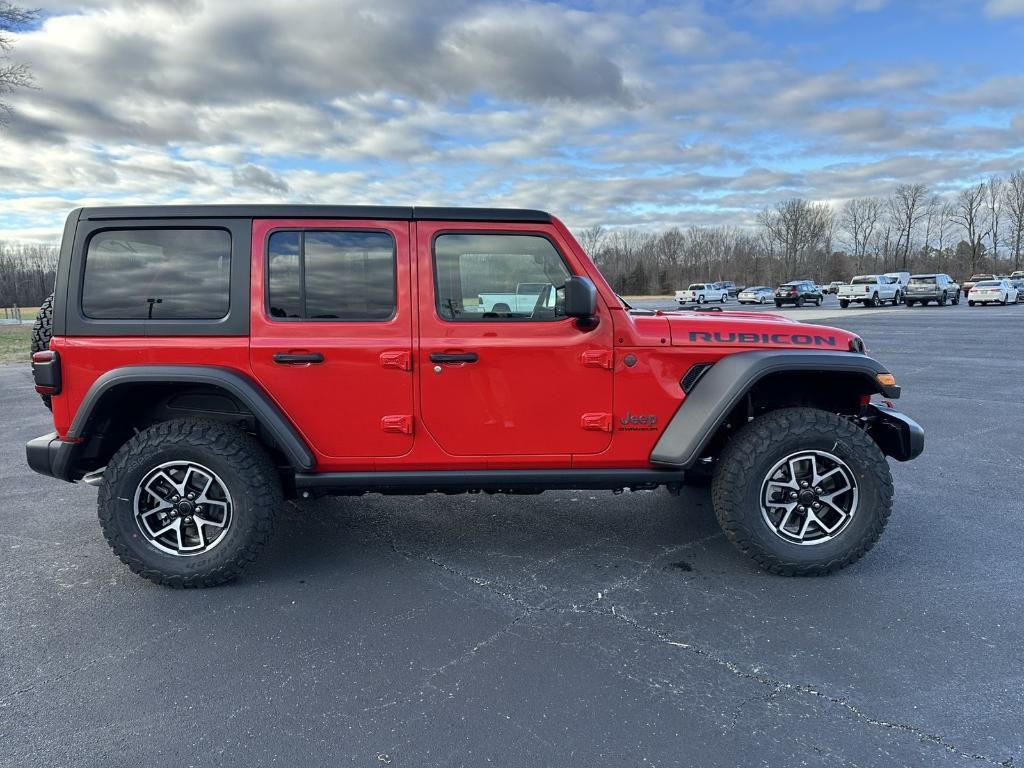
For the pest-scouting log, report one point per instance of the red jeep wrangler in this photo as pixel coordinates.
(205, 362)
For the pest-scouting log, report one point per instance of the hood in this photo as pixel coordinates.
(758, 330)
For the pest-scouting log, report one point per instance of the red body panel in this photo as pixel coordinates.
(541, 395)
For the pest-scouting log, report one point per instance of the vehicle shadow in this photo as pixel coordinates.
(496, 536)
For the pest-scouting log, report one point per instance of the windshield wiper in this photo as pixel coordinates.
(625, 303)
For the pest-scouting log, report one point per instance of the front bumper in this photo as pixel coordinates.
(897, 434)
(51, 456)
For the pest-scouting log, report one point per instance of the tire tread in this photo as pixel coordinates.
(246, 456)
(742, 452)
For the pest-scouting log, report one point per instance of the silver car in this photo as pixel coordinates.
(757, 294)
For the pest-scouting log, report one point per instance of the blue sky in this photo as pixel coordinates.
(651, 114)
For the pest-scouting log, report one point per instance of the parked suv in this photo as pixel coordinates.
(208, 362)
(939, 288)
(798, 292)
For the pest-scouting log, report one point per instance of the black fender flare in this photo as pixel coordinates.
(724, 384)
(237, 384)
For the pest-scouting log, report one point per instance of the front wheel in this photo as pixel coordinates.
(724, 298)
(803, 492)
(189, 503)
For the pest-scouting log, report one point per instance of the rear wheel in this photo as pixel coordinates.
(700, 299)
(911, 302)
(189, 503)
(803, 492)
(970, 303)
(874, 300)
(778, 305)
(897, 299)
(42, 332)
(725, 297)
(799, 301)
(1003, 300)
(943, 299)
(844, 303)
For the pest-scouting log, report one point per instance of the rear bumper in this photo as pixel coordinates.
(51, 456)
(897, 434)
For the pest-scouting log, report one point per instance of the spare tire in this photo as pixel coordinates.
(42, 332)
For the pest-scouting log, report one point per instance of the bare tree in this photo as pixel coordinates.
(906, 209)
(969, 215)
(858, 219)
(1013, 200)
(591, 239)
(932, 221)
(12, 75)
(994, 203)
(799, 228)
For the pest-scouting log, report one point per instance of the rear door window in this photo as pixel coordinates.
(331, 275)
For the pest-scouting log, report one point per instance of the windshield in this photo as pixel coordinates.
(864, 280)
(922, 280)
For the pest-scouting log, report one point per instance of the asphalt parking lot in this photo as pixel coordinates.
(584, 629)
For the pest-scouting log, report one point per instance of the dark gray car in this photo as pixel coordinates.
(938, 287)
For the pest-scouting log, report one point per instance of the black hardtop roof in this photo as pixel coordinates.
(261, 211)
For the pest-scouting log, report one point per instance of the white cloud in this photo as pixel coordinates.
(618, 115)
(1004, 8)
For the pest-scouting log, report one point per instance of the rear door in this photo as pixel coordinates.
(331, 337)
(507, 381)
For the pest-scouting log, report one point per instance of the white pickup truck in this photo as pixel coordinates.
(521, 302)
(701, 292)
(871, 291)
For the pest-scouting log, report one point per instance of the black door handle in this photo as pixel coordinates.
(292, 358)
(454, 357)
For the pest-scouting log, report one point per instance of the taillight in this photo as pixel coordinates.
(46, 372)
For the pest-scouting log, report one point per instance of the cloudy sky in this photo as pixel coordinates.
(602, 112)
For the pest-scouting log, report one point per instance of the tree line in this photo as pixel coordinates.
(979, 229)
(27, 273)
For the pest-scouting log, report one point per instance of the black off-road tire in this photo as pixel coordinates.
(755, 449)
(238, 459)
(42, 332)
(843, 303)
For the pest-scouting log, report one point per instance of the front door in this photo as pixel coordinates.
(502, 371)
(331, 332)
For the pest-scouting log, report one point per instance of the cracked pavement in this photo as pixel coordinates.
(562, 629)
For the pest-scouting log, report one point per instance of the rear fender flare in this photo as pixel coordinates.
(240, 386)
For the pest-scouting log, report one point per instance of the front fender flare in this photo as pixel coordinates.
(724, 385)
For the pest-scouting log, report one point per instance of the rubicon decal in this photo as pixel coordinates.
(794, 339)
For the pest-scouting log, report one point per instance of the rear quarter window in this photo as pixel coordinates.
(157, 274)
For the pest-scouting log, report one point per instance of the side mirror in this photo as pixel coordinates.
(580, 297)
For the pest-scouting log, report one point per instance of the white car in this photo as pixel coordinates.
(870, 290)
(699, 293)
(992, 292)
(757, 294)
